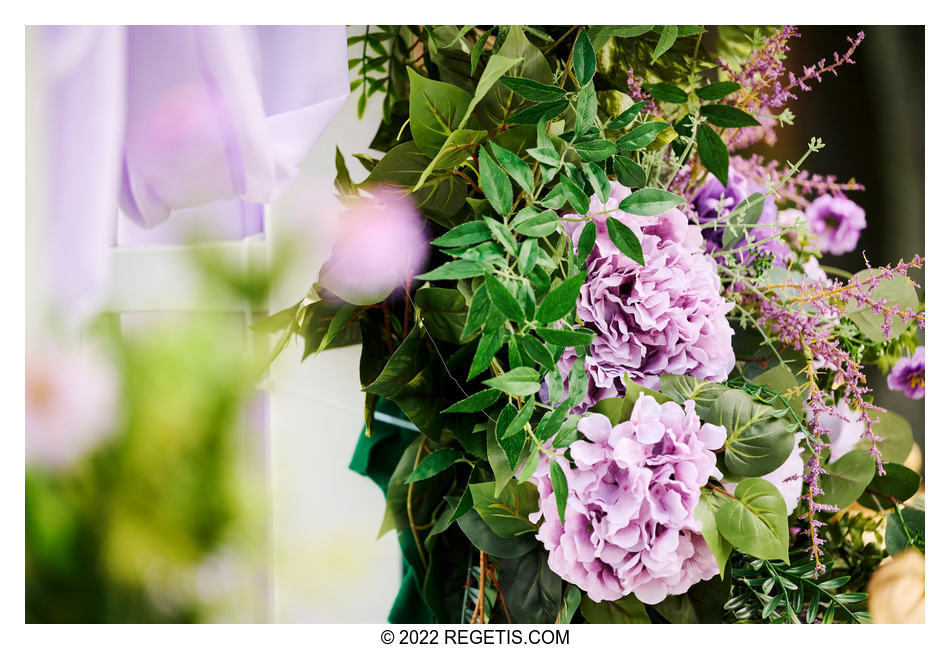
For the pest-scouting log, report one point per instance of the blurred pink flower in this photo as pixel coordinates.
(71, 400)
(380, 244)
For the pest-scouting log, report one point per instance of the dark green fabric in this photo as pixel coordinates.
(376, 458)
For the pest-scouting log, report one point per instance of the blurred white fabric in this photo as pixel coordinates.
(328, 564)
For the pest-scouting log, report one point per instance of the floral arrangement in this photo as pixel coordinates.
(608, 377)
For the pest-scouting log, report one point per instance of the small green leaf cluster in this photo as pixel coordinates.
(773, 592)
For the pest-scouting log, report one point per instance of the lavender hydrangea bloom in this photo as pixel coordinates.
(908, 375)
(667, 317)
(628, 525)
(836, 222)
(713, 201)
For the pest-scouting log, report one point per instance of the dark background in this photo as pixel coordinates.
(871, 119)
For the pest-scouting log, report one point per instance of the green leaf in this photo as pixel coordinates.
(545, 111)
(520, 382)
(899, 483)
(567, 337)
(440, 197)
(585, 63)
(530, 465)
(559, 485)
(503, 300)
(754, 521)
(627, 610)
(683, 388)
(781, 380)
(585, 243)
(506, 514)
(536, 350)
(895, 538)
(757, 442)
(502, 234)
(667, 38)
(488, 345)
(717, 91)
(460, 269)
(561, 300)
(705, 513)
(533, 90)
(422, 399)
(435, 110)
(600, 34)
(846, 478)
(641, 135)
(627, 116)
(595, 150)
(443, 312)
(401, 367)
(666, 92)
(466, 234)
(625, 239)
(517, 425)
(598, 180)
(495, 184)
(396, 516)
(435, 463)
(545, 155)
(586, 108)
(713, 153)
(483, 538)
(746, 213)
(898, 291)
(575, 195)
(501, 103)
(727, 116)
(479, 48)
(497, 65)
(532, 591)
(477, 311)
(475, 403)
(532, 222)
(517, 168)
(628, 172)
(527, 256)
(276, 321)
(511, 448)
(458, 148)
(572, 599)
(898, 439)
(650, 202)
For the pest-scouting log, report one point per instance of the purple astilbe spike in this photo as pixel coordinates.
(767, 86)
(806, 321)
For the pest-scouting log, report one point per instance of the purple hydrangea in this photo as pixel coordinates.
(714, 202)
(628, 524)
(908, 375)
(836, 223)
(666, 317)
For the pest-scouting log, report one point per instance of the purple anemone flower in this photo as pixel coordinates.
(908, 375)
(714, 203)
(836, 222)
